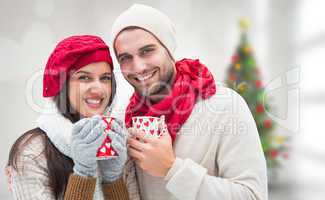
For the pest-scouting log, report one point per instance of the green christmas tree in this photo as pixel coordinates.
(244, 77)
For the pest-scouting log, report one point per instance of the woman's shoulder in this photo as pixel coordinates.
(29, 147)
(27, 163)
(32, 142)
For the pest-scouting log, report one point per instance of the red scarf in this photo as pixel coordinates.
(193, 80)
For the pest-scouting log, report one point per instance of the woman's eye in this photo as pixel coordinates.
(84, 78)
(106, 78)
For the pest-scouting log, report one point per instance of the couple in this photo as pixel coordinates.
(210, 151)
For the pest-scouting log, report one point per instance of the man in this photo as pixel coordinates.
(212, 148)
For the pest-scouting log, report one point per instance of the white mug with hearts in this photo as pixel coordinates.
(106, 151)
(150, 125)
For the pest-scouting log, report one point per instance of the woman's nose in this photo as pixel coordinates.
(96, 86)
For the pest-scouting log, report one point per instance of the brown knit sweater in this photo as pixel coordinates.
(83, 188)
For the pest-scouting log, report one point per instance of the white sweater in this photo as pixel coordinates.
(218, 155)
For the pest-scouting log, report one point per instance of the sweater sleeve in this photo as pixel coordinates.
(130, 178)
(30, 180)
(124, 188)
(239, 160)
(80, 188)
(116, 190)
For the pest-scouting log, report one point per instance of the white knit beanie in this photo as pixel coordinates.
(150, 19)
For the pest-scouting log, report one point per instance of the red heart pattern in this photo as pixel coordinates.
(148, 125)
(106, 150)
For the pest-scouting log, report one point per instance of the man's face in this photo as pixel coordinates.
(145, 63)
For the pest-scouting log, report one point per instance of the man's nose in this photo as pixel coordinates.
(139, 65)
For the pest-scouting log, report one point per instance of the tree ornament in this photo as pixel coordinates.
(237, 66)
(274, 153)
(260, 108)
(235, 58)
(242, 87)
(286, 156)
(244, 24)
(232, 77)
(258, 84)
(279, 139)
(267, 123)
(247, 50)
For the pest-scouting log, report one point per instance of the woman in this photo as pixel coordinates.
(47, 163)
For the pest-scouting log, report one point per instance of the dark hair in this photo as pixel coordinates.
(59, 166)
(132, 28)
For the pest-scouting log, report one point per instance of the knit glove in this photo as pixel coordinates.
(87, 136)
(112, 169)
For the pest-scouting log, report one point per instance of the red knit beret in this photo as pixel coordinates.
(72, 53)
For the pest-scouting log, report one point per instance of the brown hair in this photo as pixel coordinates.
(132, 28)
(59, 166)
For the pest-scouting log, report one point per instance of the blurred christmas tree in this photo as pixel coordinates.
(245, 78)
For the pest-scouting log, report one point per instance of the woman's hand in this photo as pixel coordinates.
(8, 175)
(87, 137)
(112, 169)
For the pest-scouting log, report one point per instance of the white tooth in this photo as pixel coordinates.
(92, 101)
(142, 78)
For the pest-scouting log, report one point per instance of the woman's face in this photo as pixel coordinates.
(90, 89)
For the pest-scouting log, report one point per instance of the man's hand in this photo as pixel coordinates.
(154, 155)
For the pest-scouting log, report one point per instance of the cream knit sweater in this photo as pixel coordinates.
(218, 155)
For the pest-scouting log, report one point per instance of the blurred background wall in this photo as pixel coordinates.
(287, 36)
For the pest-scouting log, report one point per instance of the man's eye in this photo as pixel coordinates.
(124, 59)
(146, 51)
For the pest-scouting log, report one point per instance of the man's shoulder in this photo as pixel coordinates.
(223, 92)
(223, 100)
